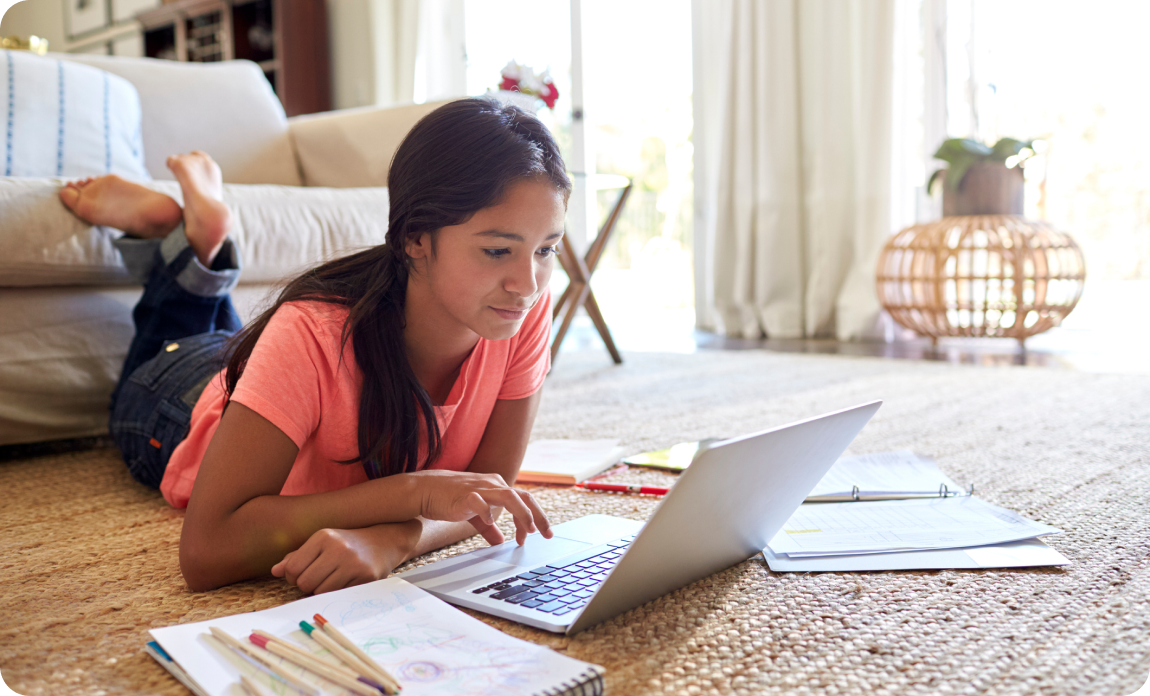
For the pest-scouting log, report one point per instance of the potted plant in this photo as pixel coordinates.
(980, 179)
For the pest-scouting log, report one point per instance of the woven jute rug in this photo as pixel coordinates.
(88, 559)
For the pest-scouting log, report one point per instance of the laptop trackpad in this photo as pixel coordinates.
(492, 564)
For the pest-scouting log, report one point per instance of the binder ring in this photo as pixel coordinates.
(943, 491)
(855, 492)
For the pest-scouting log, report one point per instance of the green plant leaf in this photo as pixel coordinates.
(933, 178)
(960, 148)
(1008, 147)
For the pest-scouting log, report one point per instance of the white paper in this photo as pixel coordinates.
(429, 646)
(1014, 554)
(574, 459)
(883, 472)
(818, 529)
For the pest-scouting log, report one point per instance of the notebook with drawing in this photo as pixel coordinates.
(429, 646)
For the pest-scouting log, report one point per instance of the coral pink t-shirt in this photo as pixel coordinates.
(295, 379)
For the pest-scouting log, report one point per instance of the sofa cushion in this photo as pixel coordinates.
(226, 109)
(353, 147)
(61, 350)
(280, 231)
(66, 119)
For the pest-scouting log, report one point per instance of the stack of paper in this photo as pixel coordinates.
(903, 514)
(567, 461)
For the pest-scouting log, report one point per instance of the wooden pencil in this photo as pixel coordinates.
(326, 659)
(338, 676)
(343, 640)
(253, 687)
(351, 659)
(265, 659)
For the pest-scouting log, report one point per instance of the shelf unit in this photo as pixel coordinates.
(286, 38)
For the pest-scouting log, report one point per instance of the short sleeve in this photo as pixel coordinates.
(530, 359)
(295, 355)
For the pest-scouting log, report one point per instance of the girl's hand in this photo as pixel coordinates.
(455, 496)
(332, 559)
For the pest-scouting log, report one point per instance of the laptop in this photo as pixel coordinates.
(725, 508)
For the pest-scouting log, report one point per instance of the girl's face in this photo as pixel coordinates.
(487, 273)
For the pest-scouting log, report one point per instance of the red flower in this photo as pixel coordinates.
(550, 95)
(509, 84)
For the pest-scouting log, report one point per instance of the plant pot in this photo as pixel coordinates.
(988, 188)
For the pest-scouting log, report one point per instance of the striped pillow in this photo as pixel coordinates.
(65, 119)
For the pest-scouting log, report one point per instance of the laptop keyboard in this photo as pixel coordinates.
(561, 587)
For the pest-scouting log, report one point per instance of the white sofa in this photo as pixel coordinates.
(303, 189)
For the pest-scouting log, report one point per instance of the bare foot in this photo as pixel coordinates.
(122, 204)
(206, 218)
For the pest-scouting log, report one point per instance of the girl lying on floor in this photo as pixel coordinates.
(381, 407)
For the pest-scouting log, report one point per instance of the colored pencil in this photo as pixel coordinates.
(265, 659)
(622, 488)
(354, 649)
(345, 655)
(350, 671)
(326, 659)
(338, 676)
(254, 688)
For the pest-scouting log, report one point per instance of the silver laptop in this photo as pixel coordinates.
(725, 508)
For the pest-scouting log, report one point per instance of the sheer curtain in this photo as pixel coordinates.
(793, 159)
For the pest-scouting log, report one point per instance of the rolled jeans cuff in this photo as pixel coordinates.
(140, 256)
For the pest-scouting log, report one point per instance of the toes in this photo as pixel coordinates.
(70, 196)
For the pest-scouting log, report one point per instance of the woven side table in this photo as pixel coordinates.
(980, 275)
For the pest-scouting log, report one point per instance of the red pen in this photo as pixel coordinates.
(617, 488)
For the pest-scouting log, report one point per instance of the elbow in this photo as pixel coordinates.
(196, 564)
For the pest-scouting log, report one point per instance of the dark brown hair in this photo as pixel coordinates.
(456, 161)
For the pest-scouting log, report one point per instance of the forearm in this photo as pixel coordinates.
(225, 547)
(434, 535)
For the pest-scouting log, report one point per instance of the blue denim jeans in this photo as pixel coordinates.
(182, 321)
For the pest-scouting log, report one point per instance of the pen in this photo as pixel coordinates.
(622, 488)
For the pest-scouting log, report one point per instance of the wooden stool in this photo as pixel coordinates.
(579, 271)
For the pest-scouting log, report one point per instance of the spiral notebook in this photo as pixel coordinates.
(430, 647)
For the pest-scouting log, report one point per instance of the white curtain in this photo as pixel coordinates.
(395, 39)
(793, 156)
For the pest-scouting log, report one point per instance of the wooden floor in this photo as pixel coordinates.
(1089, 350)
(1106, 333)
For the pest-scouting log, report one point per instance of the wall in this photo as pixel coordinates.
(43, 18)
(351, 26)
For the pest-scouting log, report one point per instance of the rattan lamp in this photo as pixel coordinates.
(980, 275)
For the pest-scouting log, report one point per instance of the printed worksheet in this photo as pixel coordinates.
(883, 472)
(822, 529)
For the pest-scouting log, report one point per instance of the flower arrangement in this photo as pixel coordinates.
(520, 78)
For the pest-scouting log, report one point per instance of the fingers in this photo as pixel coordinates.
(316, 574)
(489, 532)
(537, 514)
(296, 562)
(477, 505)
(336, 580)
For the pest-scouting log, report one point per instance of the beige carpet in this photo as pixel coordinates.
(88, 558)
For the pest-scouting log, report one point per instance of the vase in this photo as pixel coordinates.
(987, 188)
